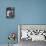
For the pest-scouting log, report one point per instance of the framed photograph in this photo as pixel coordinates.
(33, 32)
(10, 12)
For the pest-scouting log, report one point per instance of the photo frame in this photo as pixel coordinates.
(10, 12)
(33, 32)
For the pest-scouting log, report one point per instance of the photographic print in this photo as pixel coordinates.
(30, 33)
(10, 12)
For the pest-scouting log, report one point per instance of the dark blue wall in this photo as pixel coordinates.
(26, 12)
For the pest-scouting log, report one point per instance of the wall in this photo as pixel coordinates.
(6, 25)
(31, 11)
(26, 12)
